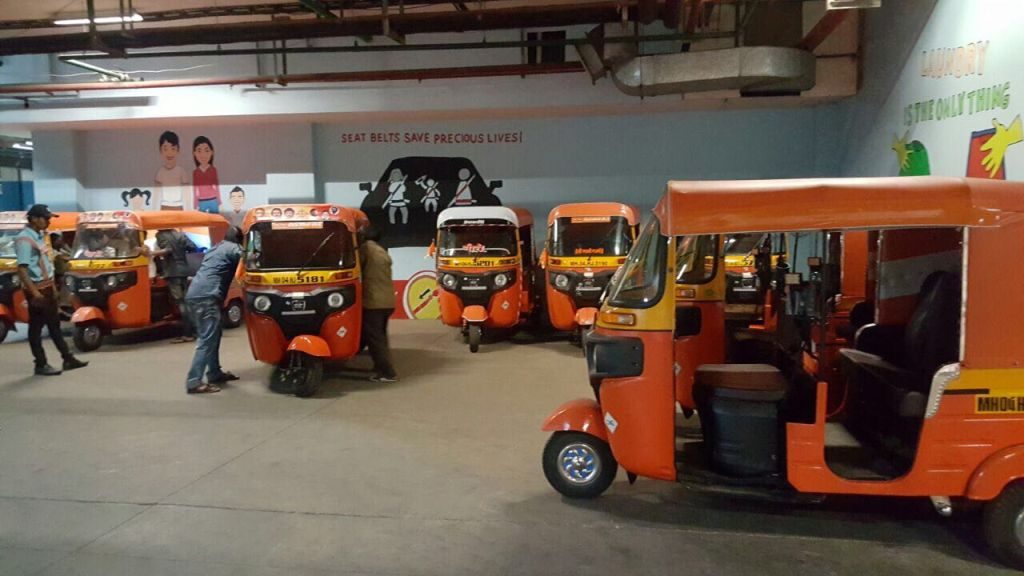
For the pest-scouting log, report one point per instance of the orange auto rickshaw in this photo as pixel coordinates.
(933, 402)
(113, 280)
(586, 244)
(485, 266)
(13, 305)
(302, 290)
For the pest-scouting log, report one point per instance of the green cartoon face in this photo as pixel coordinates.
(917, 160)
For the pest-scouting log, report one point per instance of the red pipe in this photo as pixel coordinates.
(324, 77)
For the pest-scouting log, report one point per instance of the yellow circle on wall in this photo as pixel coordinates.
(421, 298)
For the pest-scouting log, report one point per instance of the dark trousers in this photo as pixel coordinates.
(375, 335)
(178, 288)
(44, 313)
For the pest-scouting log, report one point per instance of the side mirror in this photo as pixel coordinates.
(495, 184)
(366, 187)
(432, 249)
(544, 258)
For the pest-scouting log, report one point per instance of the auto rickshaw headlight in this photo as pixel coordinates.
(500, 280)
(112, 280)
(449, 281)
(561, 281)
(335, 299)
(69, 282)
(261, 303)
(15, 280)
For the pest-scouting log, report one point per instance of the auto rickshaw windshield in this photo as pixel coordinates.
(696, 259)
(7, 242)
(289, 245)
(590, 236)
(742, 244)
(639, 283)
(477, 240)
(100, 240)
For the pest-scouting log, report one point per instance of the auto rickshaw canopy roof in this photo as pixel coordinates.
(734, 206)
(61, 222)
(353, 218)
(518, 217)
(157, 219)
(585, 209)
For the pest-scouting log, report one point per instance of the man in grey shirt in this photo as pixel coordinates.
(205, 300)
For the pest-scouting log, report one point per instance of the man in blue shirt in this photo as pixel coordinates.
(36, 272)
(205, 300)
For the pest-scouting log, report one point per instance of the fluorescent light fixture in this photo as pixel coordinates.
(853, 4)
(116, 19)
(20, 146)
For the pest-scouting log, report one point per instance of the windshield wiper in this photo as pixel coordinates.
(313, 255)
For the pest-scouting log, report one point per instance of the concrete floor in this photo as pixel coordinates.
(115, 470)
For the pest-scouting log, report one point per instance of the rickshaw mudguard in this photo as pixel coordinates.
(6, 314)
(474, 314)
(586, 316)
(88, 314)
(579, 415)
(311, 345)
(995, 472)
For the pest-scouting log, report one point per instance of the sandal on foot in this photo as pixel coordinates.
(204, 389)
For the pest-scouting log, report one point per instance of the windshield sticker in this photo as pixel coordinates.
(590, 219)
(316, 224)
(589, 251)
(474, 248)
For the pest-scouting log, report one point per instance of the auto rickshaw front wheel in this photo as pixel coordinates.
(474, 335)
(579, 465)
(233, 314)
(1004, 525)
(88, 336)
(309, 376)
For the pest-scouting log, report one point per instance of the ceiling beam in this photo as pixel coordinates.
(317, 7)
(823, 29)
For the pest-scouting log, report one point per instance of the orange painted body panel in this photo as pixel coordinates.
(311, 345)
(6, 315)
(708, 347)
(580, 415)
(265, 338)
(474, 314)
(496, 314)
(561, 310)
(643, 407)
(855, 264)
(341, 331)
(586, 316)
(994, 307)
(131, 308)
(451, 307)
(995, 472)
(88, 314)
(20, 307)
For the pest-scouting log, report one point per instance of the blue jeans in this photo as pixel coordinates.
(209, 206)
(207, 321)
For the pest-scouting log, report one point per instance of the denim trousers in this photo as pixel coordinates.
(206, 318)
(210, 206)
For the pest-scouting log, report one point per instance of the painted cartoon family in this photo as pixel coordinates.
(175, 189)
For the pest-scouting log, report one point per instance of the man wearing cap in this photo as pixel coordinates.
(36, 272)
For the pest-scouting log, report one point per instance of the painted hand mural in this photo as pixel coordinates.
(1001, 139)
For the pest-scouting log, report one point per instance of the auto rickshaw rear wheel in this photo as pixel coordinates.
(1004, 525)
(311, 374)
(579, 465)
(4, 330)
(474, 336)
(88, 336)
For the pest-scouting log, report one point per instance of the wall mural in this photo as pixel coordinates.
(404, 203)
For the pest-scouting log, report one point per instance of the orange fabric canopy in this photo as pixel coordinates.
(734, 206)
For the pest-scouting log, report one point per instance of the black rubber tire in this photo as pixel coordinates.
(608, 467)
(233, 306)
(309, 383)
(4, 330)
(474, 337)
(82, 342)
(1000, 526)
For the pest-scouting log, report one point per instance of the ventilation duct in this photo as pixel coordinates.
(764, 70)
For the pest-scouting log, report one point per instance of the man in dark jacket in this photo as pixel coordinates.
(378, 303)
(205, 300)
(175, 247)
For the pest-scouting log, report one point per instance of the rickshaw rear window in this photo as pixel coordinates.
(696, 259)
(639, 283)
(478, 241)
(590, 236)
(103, 241)
(292, 245)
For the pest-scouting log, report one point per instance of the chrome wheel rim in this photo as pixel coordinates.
(1018, 528)
(235, 313)
(91, 334)
(578, 463)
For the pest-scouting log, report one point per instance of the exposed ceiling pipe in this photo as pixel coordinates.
(823, 29)
(119, 76)
(537, 16)
(318, 78)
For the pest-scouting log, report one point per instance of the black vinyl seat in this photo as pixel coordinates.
(889, 374)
